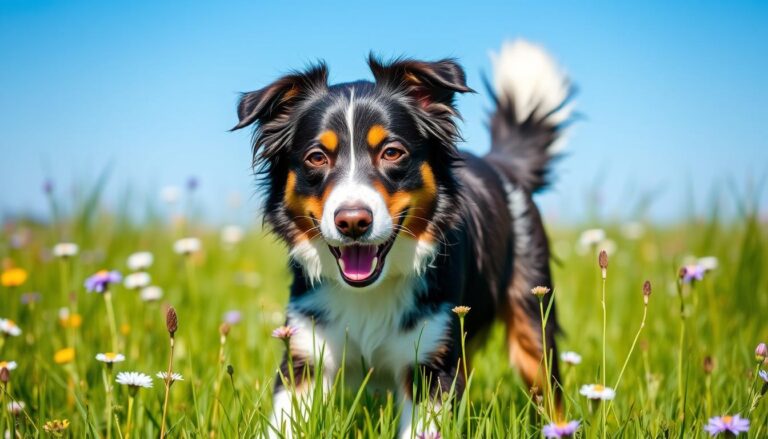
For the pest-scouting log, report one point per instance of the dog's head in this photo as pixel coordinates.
(359, 176)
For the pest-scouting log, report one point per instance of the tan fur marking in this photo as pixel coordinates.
(524, 346)
(302, 206)
(329, 140)
(376, 135)
(420, 204)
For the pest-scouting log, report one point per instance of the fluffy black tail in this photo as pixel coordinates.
(533, 106)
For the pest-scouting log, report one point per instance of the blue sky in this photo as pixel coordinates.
(674, 94)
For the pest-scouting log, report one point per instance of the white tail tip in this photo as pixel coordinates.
(525, 73)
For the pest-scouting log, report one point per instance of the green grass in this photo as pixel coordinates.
(725, 315)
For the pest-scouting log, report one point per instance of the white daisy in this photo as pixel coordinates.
(570, 357)
(134, 379)
(597, 391)
(231, 235)
(140, 261)
(137, 280)
(8, 327)
(174, 376)
(151, 293)
(16, 407)
(633, 230)
(709, 263)
(10, 365)
(65, 249)
(591, 237)
(170, 194)
(110, 357)
(186, 246)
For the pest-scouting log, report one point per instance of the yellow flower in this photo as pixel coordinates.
(13, 277)
(64, 356)
(56, 427)
(125, 329)
(71, 321)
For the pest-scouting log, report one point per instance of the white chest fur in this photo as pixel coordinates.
(366, 327)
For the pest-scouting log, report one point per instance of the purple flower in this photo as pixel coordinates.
(192, 183)
(733, 425)
(763, 376)
(47, 187)
(691, 273)
(285, 332)
(233, 317)
(28, 298)
(429, 435)
(99, 282)
(560, 429)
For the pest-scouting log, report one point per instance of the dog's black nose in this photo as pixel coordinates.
(353, 221)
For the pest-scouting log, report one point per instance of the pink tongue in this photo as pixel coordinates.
(358, 261)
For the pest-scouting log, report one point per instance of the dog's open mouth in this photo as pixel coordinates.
(361, 265)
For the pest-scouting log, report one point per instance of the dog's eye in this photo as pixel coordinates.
(316, 159)
(392, 153)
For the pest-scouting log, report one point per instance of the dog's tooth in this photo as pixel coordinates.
(341, 264)
(373, 265)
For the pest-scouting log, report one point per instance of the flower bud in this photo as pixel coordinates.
(709, 365)
(5, 375)
(602, 260)
(761, 352)
(461, 310)
(646, 292)
(540, 291)
(171, 321)
(230, 370)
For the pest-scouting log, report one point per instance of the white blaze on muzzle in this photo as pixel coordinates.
(358, 257)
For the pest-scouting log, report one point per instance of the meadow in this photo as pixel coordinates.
(693, 359)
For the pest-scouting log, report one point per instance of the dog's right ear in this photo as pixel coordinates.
(280, 97)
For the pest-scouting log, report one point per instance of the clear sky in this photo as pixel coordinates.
(674, 93)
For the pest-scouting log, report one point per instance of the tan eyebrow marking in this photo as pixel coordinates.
(329, 139)
(376, 135)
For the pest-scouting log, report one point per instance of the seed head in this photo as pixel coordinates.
(761, 352)
(5, 375)
(461, 310)
(230, 370)
(602, 260)
(224, 329)
(540, 291)
(646, 291)
(709, 365)
(171, 321)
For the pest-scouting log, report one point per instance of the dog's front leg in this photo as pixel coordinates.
(428, 391)
(294, 385)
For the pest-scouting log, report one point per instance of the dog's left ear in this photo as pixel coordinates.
(427, 83)
(430, 88)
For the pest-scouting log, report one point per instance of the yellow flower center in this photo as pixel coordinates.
(598, 388)
(110, 355)
(3, 364)
(102, 272)
(561, 424)
(727, 419)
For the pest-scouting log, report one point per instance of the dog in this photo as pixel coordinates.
(390, 226)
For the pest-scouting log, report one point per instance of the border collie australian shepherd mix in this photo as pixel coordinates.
(390, 226)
